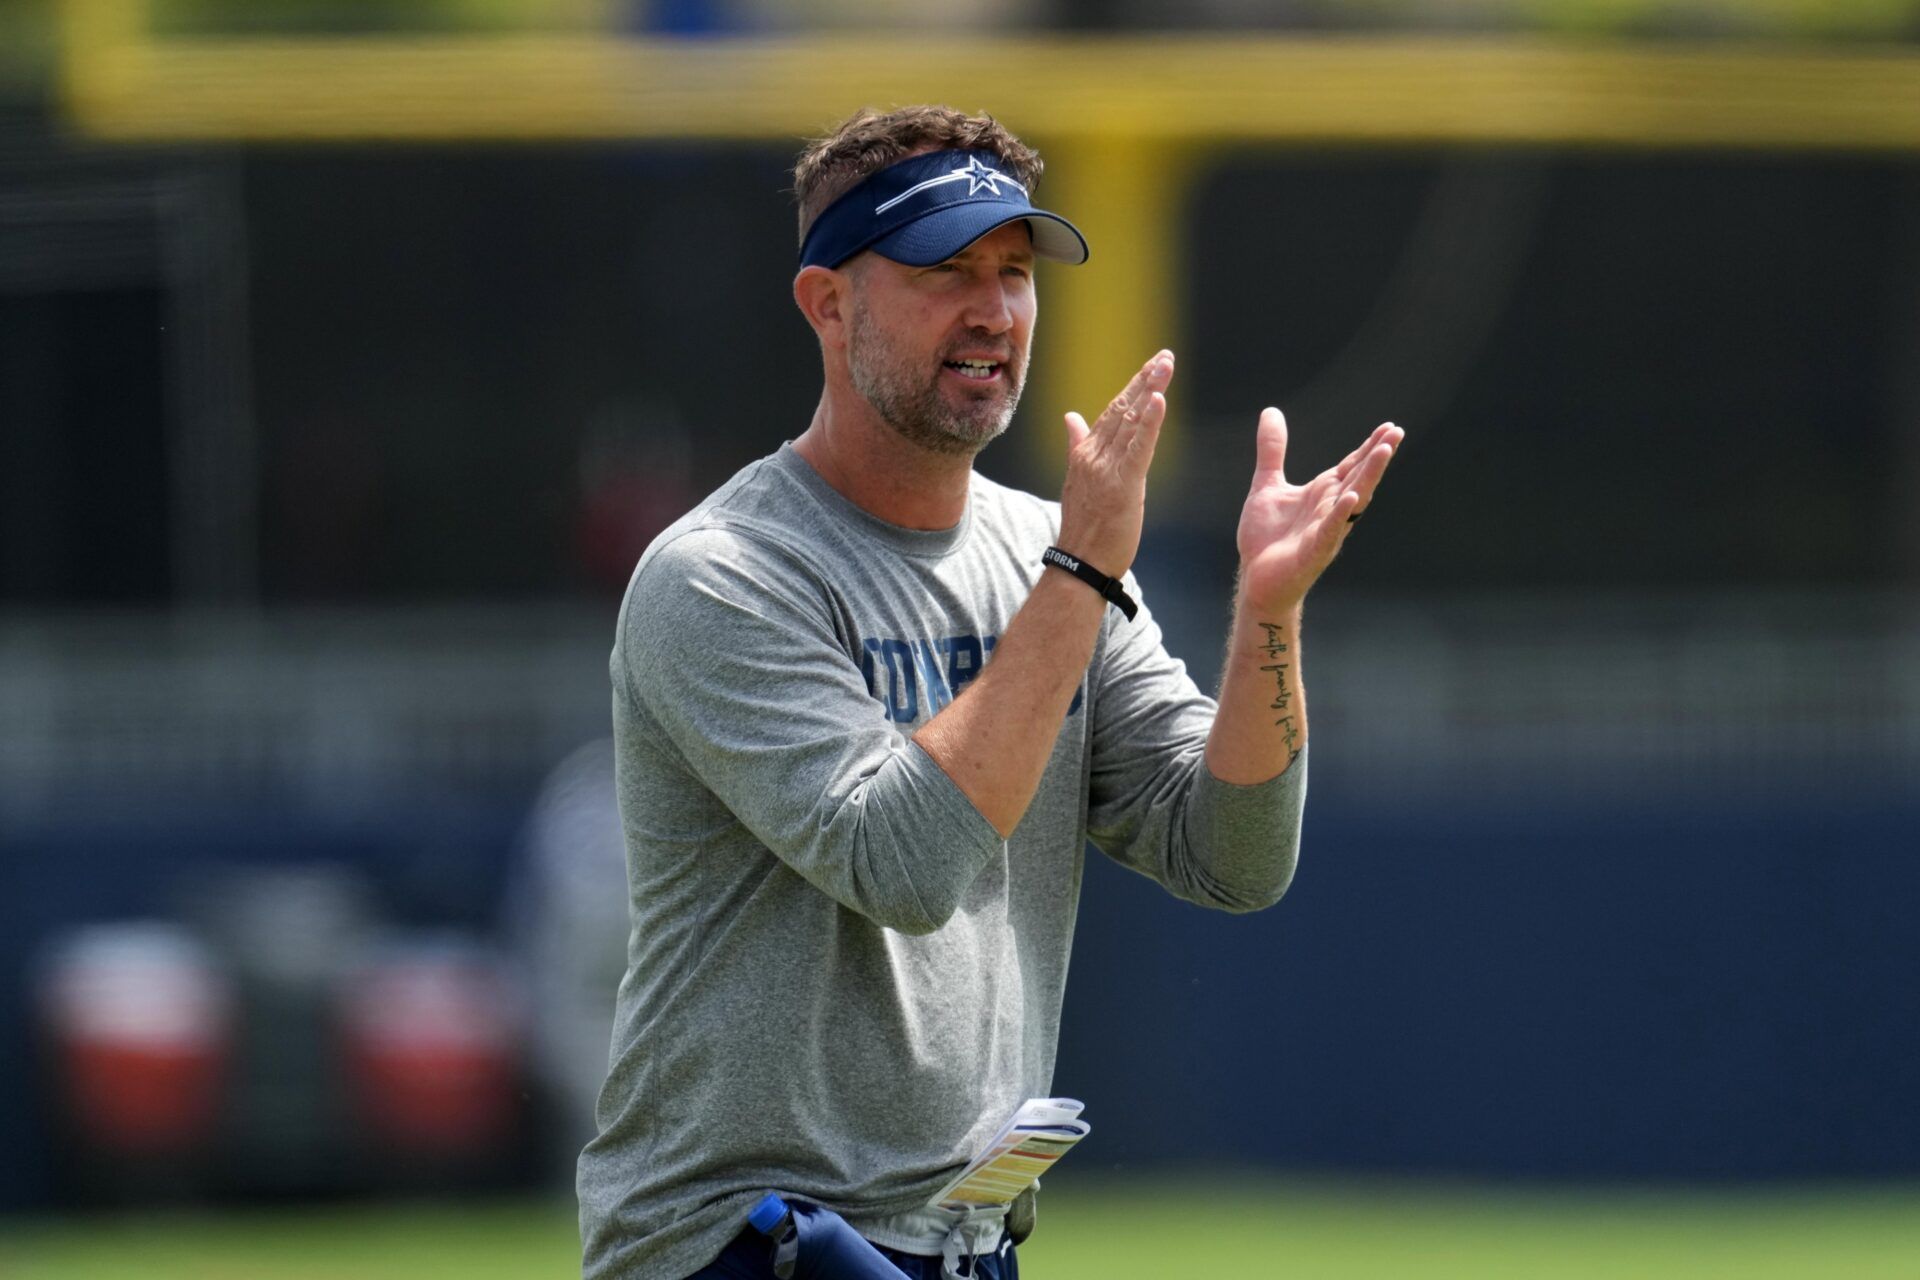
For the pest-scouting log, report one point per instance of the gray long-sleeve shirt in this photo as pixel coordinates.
(841, 980)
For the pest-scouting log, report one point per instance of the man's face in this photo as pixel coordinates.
(940, 352)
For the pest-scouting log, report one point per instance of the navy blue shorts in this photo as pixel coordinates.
(749, 1257)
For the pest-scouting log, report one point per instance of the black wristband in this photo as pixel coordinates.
(1109, 588)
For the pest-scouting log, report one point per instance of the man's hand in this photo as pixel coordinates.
(1290, 533)
(1104, 497)
(995, 739)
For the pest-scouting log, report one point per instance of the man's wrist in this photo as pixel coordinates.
(1281, 609)
(1109, 588)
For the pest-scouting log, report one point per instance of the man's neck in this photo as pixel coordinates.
(872, 466)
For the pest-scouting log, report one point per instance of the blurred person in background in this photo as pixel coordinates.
(567, 922)
(634, 479)
(854, 845)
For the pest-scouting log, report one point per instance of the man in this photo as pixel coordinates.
(863, 736)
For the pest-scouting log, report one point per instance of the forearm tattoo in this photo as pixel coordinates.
(1284, 688)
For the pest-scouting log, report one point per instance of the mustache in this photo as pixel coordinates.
(1001, 353)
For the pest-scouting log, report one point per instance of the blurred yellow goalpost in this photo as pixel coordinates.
(1125, 120)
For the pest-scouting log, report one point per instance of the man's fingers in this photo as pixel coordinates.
(1146, 432)
(1126, 407)
(1367, 475)
(1386, 432)
(1346, 509)
(1270, 442)
(1077, 430)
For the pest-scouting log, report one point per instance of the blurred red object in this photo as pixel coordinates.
(141, 1030)
(431, 1049)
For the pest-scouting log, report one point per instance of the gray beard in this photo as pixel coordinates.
(916, 410)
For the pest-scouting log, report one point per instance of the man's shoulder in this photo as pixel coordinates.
(712, 570)
(753, 512)
(715, 548)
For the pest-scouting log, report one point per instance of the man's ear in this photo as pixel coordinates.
(825, 298)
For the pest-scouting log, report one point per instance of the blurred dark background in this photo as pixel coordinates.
(322, 467)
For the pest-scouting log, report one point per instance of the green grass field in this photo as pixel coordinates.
(1178, 1230)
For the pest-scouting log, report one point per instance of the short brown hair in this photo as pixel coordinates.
(869, 141)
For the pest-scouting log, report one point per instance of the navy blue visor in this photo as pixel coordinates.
(927, 208)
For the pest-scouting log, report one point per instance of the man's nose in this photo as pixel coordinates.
(989, 307)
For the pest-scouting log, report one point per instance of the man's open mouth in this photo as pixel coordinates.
(978, 370)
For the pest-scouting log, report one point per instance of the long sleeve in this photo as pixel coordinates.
(1155, 807)
(728, 645)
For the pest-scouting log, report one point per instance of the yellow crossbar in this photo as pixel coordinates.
(123, 83)
(1107, 109)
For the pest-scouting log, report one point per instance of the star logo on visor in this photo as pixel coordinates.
(978, 176)
(975, 175)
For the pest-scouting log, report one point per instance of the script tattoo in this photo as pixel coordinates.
(1283, 688)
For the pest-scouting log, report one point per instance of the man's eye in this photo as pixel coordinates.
(1015, 271)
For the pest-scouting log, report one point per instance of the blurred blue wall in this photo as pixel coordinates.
(1577, 986)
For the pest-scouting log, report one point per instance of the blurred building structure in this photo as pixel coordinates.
(330, 358)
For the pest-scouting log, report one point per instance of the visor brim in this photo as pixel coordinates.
(944, 232)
